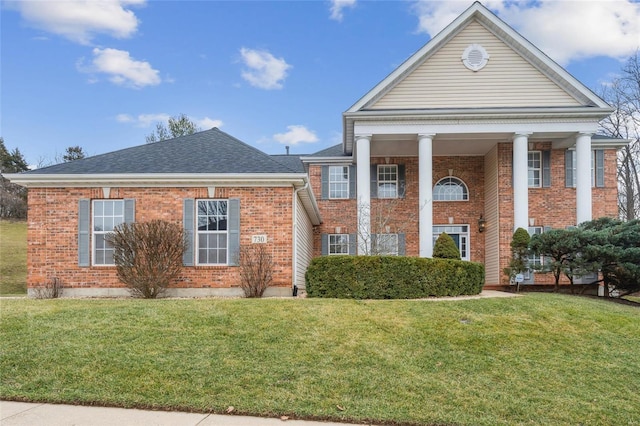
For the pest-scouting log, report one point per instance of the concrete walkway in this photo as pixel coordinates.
(32, 414)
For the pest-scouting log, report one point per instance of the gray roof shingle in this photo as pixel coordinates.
(332, 151)
(210, 151)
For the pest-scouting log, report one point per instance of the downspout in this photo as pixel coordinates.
(294, 266)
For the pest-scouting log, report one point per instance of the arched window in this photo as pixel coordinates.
(450, 189)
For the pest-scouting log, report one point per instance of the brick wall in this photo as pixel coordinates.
(53, 232)
(555, 206)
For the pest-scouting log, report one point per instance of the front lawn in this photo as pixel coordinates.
(13, 257)
(537, 359)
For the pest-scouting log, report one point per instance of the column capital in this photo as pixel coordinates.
(363, 136)
(589, 134)
(521, 134)
(426, 136)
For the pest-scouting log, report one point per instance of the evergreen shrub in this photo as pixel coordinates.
(391, 277)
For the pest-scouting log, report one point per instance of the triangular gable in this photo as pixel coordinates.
(517, 73)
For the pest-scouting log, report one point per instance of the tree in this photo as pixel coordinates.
(623, 94)
(177, 126)
(445, 248)
(73, 153)
(13, 198)
(148, 255)
(519, 262)
(560, 248)
(613, 247)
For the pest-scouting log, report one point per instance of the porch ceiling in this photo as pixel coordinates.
(406, 145)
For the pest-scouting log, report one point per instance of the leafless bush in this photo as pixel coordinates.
(52, 289)
(148, 255)
(256, 269)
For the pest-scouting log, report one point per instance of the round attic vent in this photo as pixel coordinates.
(475, 57)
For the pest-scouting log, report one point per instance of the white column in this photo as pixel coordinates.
(583, 177)
(521, 180)
(425, 193)
(363, 158)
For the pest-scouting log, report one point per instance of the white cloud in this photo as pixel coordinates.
(148, 120)
(296, 134)
(122, 69)
(337, 6)
(81, 20)
(263, 69)
(208, 123)
(565, 30)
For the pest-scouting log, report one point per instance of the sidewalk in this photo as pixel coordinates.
(31, 414)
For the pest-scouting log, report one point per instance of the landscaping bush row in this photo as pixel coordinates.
(391, 277)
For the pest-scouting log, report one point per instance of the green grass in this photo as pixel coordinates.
(537, 359)
(13, 257)
(633, 298)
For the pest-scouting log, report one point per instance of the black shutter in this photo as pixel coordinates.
(84, 227)
(324, 181)
(188, 210)
(401, 180)
(374, 181)
(352, 182)
(568, 169)
(546, 169)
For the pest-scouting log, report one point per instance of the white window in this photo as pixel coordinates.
(338, 244)
(107, 214)
(593, 168)
(450, 189)
(458, 233)
(212, 235)
(386, 244)
(535, 169)
(535, 260)
(388, 181)
(339, 182)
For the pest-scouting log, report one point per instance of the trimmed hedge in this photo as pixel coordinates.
(391, 277)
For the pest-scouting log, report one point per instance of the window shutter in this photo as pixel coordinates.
(401, 180)
(324, 239)
(324, 181)
(233, 210)
(401, 245)
(374, 242)
(352, 182)
(129, 210)
(568, 169)
(84, 226)
(352, 244)
(546, 169)
(188, 210)
(374, 181)
(599, 168)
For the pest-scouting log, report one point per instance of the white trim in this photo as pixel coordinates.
(93, 228)
(346, 160)
(539, 169)
(198, 233)
(329, 182)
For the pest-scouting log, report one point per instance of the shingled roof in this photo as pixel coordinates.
(210, 151)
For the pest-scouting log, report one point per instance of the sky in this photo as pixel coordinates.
(101, 74)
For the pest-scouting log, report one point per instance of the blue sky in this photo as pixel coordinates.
(101, 74)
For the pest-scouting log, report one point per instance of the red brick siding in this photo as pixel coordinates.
(53, 232)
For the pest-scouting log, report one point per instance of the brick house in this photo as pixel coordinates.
(476, 134)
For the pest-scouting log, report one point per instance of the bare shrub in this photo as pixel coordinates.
(52, 289)
(148, 255)
(256, 269)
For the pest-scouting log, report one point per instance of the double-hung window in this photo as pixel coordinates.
(386, 244)
(535, 169)
(338, 182)
(388, 181)
(535, 261)
(107, 214)
(338, 244)
(597, 168)
(212, 233)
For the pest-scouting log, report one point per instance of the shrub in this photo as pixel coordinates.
(445, 248)
(51, 289)
(256, 270)
(148, 255)
(519, 254)
(391, 277)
